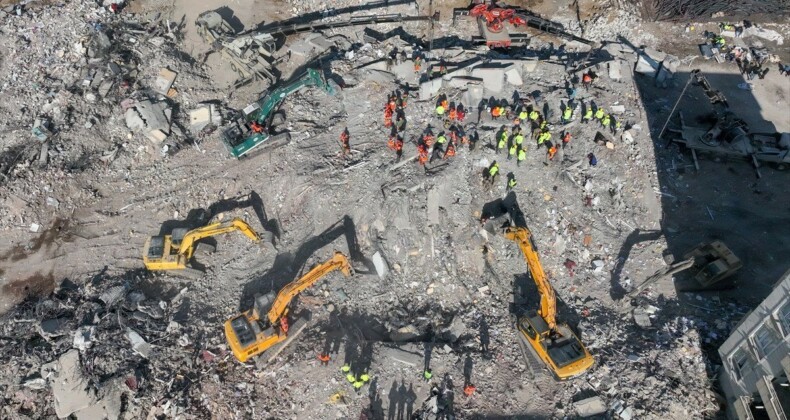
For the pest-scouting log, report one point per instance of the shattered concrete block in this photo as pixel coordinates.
(112, 295)
(382, 269)
(157, 136)
(530, 65)
(53, 327)
(83, 338)
(165, 80)
(514, 77)
(655, 55)
(588, 407)
(617, 109)
(405, 333)
(614, 70)
(472, 98)
(456, 329)
(646, 66)
(493, 78)
(138, 343)
(430, 88)
(204, 115)
(71, 391)
(146, 116)
(627, 414)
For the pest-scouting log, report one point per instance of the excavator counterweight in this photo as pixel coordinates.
(265, 325)
(555, 344)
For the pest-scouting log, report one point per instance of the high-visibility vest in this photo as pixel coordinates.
(513, 149)
(599, 113)
(522, 154)
(351, 378)
(511, 182)
(519, 139)
(523, 115)
(493, 171)
(502, 142)
(427, 374)
(567, 113)
(358, 384)
(617, 124)
(544, 137)
(346, 368)
(441, 139)
(605, 121)
(533, 115)
(364, 377)
(588, 114)
(544, 124)
(439, 110)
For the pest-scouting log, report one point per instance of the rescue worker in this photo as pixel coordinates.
(358, 385)
(422, 154)
(427, 374)
(587, 81)
(512, 151)
(493, 171)
(255, 127)
(427, 138)
(364, 377)
(588, 114)
(544, 125)
(397, 146)
(567, 114)
(344, 140)
(346, 368)
(719, 42)
(511, 181)
(502, 140)
(606, 120)
(544, 137)
(522, 155)
(519, 138)
(469, 390)
(324, 358)
(599, 113)
(351, 378)
(453, 115)
(441, 139)
(461, 113)
(445, 104)
(523, 114)
(450, 152)
(417, 64)
(616, 126)
(552, 151)
(534, 115)
(440, 111)
(400, 123)
(566, 138)
(387, 117)
(496, 112)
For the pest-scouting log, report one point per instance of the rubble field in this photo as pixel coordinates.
(113, 114)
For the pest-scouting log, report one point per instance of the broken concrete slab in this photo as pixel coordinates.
(530, 65)
(138, 343)
(646, 66)
(314, 45)
(71, 391)
(382, 269)
(472, 98)
(513, 77)
(614, 70)
(146, 116)
(202, 116)
(430, 88)
(493, 77)
(589, 407)
(164, 81)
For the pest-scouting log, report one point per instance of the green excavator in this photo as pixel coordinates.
(252, 129)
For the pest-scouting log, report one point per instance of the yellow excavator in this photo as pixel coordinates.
(175, 251)
(555, 344)
(265, 326)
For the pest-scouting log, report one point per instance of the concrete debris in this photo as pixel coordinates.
(115, 126)
(589, 407)
(381, 265)
(138, 343)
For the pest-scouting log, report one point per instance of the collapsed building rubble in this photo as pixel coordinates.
(117, 124)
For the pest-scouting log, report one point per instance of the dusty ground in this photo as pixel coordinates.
(425, 225)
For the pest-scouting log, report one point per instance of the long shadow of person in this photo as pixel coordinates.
(411, 398)
(402, 401)
(468, 365)
(393, 401)
(485, 337)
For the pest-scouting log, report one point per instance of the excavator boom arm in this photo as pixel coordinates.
(284, 297)
(548, 300)
(271, 101)
(187, 244)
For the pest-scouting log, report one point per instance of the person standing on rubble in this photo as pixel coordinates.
(588, 114)
(599, 114)
(502, 139)
(522, 155)
(511, 181)
(587, 81)
(493, 171)
(344, 141)
(567, 114)
(450, 151)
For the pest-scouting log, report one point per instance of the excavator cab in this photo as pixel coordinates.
(561, 349)
(156, 247)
